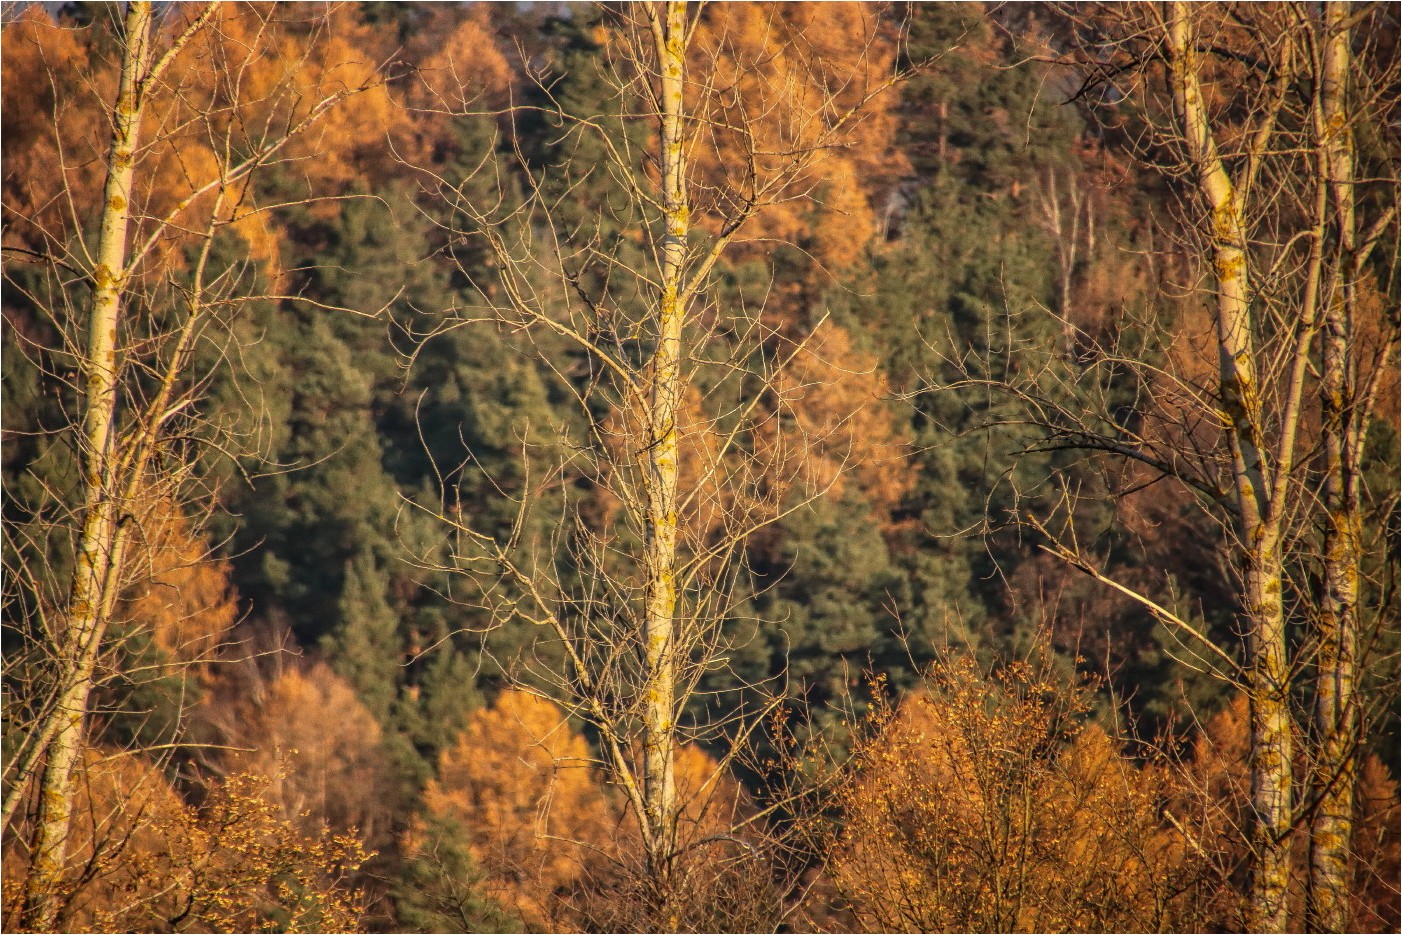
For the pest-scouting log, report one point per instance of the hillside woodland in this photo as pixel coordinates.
(700, 467)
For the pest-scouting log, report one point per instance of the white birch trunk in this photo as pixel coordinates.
(666, 386)
(98, 558)
(1335, 709)
(1258, 526)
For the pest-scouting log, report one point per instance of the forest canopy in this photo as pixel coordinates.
(675, 466)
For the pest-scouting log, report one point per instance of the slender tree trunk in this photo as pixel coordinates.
(667, 384)
(1258, 526)
(1335, 709)
(1271, 744)
(97, 562)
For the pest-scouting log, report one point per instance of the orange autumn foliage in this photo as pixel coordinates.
(834, 428)
(464, 72)
(552, 843)
(149, 861)
(292, 56)
(319, 745)
(464, 67)
(707, 471)
(721, 877)
(252, 73)
(826, 428)
(781, 77)
(521, 785)
(983, 805)
(51, 94)
(120, 802)
(182, 596)
(712, 802)
(1377, 843)
(1212, 801)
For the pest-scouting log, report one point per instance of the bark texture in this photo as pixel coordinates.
(665, 389)
(1335, 707)
(1258, 525)
(98, 560)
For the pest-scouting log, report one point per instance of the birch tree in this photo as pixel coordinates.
(632, 590)
(1259, 483)
(1246, 116)
(1347, 92)
(138, 304)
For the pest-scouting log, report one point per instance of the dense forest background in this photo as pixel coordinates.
(298, 689)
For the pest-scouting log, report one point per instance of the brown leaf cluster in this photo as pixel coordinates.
(982, 805)
(320, 747)
(145, 860)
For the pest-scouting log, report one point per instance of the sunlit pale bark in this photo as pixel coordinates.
(1258, 511)
(98, 556)
(1335, 710)
(667, 384)
(123, 424)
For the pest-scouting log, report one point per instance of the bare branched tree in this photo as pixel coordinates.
(1251, 116)
(133, 307)
(688, 445)
(1350, 95)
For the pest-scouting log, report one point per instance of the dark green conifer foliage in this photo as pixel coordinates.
(441, 888)
(966, 291)
(1382, 560)
(365, 646)
(834, 597)
(959, 295)
(332, 500)
(357, 436)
